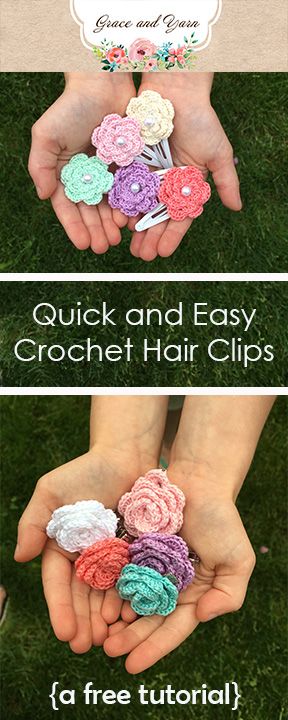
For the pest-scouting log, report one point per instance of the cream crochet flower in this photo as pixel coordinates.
(76, 527)
(154, 114)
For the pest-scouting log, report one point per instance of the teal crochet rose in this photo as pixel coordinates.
(86, 179)
(148, 592)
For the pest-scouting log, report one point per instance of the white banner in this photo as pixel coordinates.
(165, 32)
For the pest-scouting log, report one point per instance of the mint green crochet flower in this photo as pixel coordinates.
(86, 179)
(149, 592)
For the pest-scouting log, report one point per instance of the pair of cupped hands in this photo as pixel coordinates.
(65, 130)
(85, 617)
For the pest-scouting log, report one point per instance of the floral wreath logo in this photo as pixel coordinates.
(143, 55)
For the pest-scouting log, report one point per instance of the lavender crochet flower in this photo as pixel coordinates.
(135, 190)
(167, 554)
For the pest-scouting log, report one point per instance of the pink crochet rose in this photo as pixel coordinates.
(118, 140)
(141, 48)
(184, 192)
(153, 505)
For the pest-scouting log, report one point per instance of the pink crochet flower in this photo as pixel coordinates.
(118, 140)
(100, 565)
(141, 48)
(153, 505)
(184, 192)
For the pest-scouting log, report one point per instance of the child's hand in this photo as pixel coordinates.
(65, 130)
(198, 139)
(78, 614)
(215, 531)
(120, 453)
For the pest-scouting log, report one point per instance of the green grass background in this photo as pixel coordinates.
(18, 300)
(248, 647)
(251, 107)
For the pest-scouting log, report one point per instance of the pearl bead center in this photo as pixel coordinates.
(149, 121)
(135, 188)
(87, 178)
(186, 191)
(120, 141)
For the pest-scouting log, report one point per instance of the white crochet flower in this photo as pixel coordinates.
(76, 527)
(154, 114)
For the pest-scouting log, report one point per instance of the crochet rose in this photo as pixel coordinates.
(135, 190)
(154, 114)
(148, 592)
(167, 554)
(118, 140)
(86, 179)
(184, 192)
(76, 527)
(153, 505)
(141, 48)
(100, 565)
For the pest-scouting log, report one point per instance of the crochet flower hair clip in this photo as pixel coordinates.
(86, 179)
(78, 526)
(154, 115)
(182, 194)
(153, 505)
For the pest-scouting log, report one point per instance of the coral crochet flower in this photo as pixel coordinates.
(153, 505)
(118, 140)
(135, 190)
(86, 179)
(148, 592)
(154, 114)
(167, 554)
(184, 192)
(100, 565)
(141, 48)
(76, 527)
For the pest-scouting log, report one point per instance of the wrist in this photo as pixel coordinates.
(195, 87)
(89, 83)
(201, 482)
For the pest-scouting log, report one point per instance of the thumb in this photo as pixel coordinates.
(42, 163)
(228, 592)
(225, 177)
(32, 531)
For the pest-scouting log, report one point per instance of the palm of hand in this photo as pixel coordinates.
(76, 611)
(198, 139)
(63, 131)
(216, 533)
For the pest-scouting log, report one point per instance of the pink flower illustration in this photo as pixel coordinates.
(177, 55)
(115, 55)
(118, 140)
(150, 65)
(184, 192)
(141, 48)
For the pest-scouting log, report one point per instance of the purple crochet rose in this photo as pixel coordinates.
(135, 190)
(168, 554)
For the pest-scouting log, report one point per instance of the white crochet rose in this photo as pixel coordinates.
(76, 527)
(154, 114)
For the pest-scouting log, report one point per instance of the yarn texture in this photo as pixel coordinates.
(153, 505)
(135, 190)
(76, 527)
(118, 140)
(184, 192)
(86, 179)
(154, 114)
(100, 565)
(149, 592)
(167, 554)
